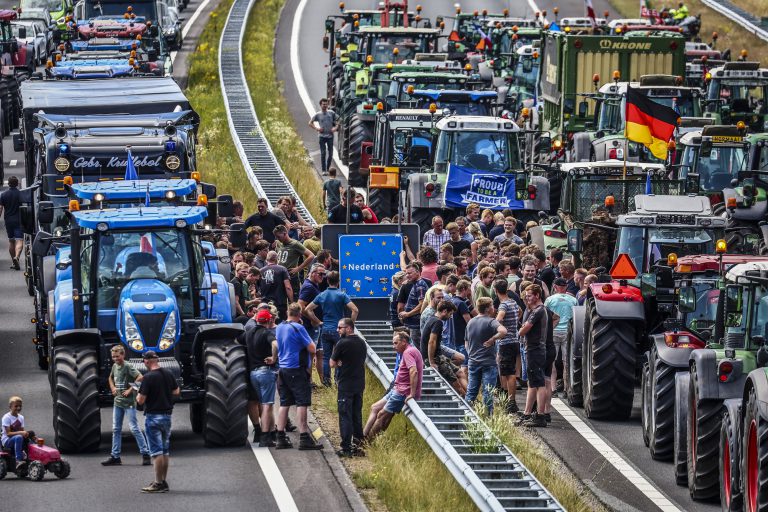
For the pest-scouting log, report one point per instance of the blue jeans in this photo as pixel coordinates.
(326, 152)
(118, 413)
(16, 444)
(485, 376)
(329, 340)
(158, 427)
(264, 382)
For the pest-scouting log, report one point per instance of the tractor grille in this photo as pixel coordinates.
(590, 194)
(150, 326)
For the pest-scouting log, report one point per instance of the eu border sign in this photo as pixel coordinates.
(367, 264)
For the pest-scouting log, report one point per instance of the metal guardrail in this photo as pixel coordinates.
(261, 167)
(749, 21)
(495, 480)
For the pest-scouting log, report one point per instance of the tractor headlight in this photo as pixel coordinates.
(169, 332)
(137, 345)
(132, 334)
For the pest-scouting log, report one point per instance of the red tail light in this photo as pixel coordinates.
(612, 154)
(724, 370)
(531, 192)
(554, 234)
(683, 340)
(429, 189)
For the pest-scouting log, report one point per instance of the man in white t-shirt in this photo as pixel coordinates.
(13, 434)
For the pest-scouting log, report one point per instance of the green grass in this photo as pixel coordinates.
(404, 472)
(271, 106)
(730, 34)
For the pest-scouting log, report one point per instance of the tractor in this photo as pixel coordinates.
(608, 336)
(143, 278)
(736, 92)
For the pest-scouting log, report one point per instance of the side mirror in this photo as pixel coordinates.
(706, 148)
(18, 142)
(326, 42)
(544, 145)
(26, 212)
(733, 299)
(575, 237)
(692, 183)
(209, 189)
(154, 31)
(583, 108)
(648, 285)
(225, 206)
(41, 244)
(330, 25)
(391, 101)
(687, 299)
(22, 32)
(64, 264)
(353, 56)
(45, 212)
(237, 235)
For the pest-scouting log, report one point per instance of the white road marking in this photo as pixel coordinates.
(273, 476)
(616, 460)
(299, 77)
(13, 163)
(189, 24)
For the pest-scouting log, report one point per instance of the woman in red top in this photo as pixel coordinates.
(368, 216)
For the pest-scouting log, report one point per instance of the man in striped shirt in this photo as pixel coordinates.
(436, 236)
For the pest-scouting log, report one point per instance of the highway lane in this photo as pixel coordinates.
(590, 463)
(200, 478)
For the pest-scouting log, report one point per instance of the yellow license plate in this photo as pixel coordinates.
(726, 138)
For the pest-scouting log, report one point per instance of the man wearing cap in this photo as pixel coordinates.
(561, 303)
(261, 347)
(158, 387)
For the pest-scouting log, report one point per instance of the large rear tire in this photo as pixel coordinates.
(383, 202)
(679, 460)
(662, 407)
(755, 459)
(704, 417)
(76, 420)
(226, 418)
(608, 367)
(359, 131)
(572, 370)
(731, 498)
(645, 404)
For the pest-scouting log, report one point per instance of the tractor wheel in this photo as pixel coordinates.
(3, 468)
(703, 435)
(197, 417)
(645, 404)
(572, 371)
(662, 407)
(77, 420)
(359, 131)
(731, 498)
(36, 471)
(61, 469)
(755, 458)
(679, 459)
(226, 419)
(383, 202)
(608, 360)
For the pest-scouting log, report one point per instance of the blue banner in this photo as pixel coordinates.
(488, 189)
(367, 264)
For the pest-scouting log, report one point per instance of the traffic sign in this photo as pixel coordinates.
(623, 268)
(367, 264)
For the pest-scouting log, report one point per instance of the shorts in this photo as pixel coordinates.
(559, 339)
(14, 231)
(263, 384)
(508, 358)
(535, 365)
(447, 368)
(295, 388)
(395, 402)
(551, 356)
(158, 431)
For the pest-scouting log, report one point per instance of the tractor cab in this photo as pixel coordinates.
(457, 102)
(711, 158)
(738, 91)
(393, 44)
(583, 25)
(471, 32)
(509, 35)
(696, 71)
(520, 82)
(402, 85)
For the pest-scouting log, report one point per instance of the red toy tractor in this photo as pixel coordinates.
(40, 458)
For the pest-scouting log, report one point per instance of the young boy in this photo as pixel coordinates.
(13, 434)
(121, 377)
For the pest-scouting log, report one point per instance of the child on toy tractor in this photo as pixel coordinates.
(14, 435)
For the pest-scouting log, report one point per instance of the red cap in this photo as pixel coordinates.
(263, 316)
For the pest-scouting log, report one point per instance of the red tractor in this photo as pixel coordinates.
(40, 459)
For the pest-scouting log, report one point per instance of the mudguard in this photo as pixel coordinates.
(90, 337)
(710, 386)
(62, 254)
(64, 313)
(220, 303)
(674, 357)
(579, 312)
(211, 333)
(759, 380)
(49, 274)
(754, 213)
(615, 310)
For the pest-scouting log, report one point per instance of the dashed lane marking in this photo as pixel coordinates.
(13, 163)
(189, 24)
(273, 476)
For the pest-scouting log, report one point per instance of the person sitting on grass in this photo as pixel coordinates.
(14, 434)
(407, 385)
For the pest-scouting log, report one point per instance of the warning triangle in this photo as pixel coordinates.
(623, 268)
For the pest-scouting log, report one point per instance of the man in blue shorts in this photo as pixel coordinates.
(158, 387)
(10, 201)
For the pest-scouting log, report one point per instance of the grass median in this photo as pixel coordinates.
(730, 34)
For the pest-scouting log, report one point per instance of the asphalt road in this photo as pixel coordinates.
(200, 478)
(588, 461)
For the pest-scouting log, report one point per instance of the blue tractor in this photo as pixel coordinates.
(143, 278)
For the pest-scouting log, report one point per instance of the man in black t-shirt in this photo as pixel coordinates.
(158, 387)
(276, 285)
(339, 213)
(266, 220)
(10, 201)
(348, 359)
(261, 348)
(534, 329)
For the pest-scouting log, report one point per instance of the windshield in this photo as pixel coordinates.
(703, 318)
(382, 48)
(457, 106)
(721, 166)
(649, 246)
(400, 88)
(162, 255)
(741, 96)
(760, 312)
(685, 104)
(760, 162)
(611, 118)
(147, 10)
(485, 151)
(526, 72)
(411, 147)
(29, 28)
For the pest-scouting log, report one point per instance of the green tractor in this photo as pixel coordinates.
(520, 82)
(402, 85)
(737, 91)
(470, 32)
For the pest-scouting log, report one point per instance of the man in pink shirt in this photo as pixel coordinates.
(407, 385)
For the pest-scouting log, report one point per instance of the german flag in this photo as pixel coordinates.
(649, 123)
